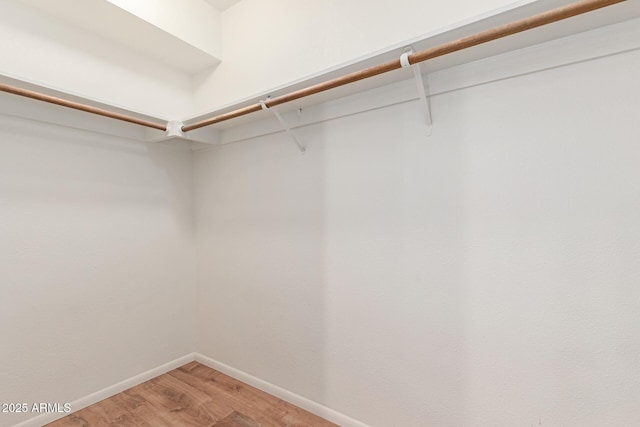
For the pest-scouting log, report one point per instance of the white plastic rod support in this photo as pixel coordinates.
(422, 91)
(174, 129)
(287, 129)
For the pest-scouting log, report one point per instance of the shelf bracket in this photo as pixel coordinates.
(286, 127)
(420, 84)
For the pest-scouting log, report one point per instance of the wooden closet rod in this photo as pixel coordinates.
(519, 26)
(78, 106)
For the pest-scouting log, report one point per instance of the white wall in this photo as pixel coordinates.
(484, 276)
(487, 275)
(96, 261)
(267, 44)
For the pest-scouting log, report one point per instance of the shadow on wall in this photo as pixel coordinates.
(395, 262)
(260, 240)
(406, 280)
(338, 274)
(93, 168)
(96, 260)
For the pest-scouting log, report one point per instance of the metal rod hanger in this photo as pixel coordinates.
(554, 15)
(78, 106)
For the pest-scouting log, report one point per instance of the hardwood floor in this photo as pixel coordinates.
(192, 395)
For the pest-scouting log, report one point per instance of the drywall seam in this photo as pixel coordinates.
(284, 394)
(107, 392)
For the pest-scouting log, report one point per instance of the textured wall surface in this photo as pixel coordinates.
(487, 275)
(96, 261)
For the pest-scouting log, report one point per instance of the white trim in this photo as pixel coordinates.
(594, 36)
(286, 395)
(621, 38)
(107, 392)
(494, 18)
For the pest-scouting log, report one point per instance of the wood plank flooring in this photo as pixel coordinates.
(192, 395)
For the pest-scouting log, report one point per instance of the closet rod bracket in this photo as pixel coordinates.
(286, 127)
(174, 129)
(423, 91)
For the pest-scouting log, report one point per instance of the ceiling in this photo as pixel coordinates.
(222, 4)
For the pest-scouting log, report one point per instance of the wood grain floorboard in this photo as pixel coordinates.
(236, 419)
(181, 404)
(140, 408)
(192, 395)
(267, 410)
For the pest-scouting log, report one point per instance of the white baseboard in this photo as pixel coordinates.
(286, 395)
(96, 397)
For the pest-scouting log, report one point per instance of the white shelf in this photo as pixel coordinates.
(600, 18)
(104, 18)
